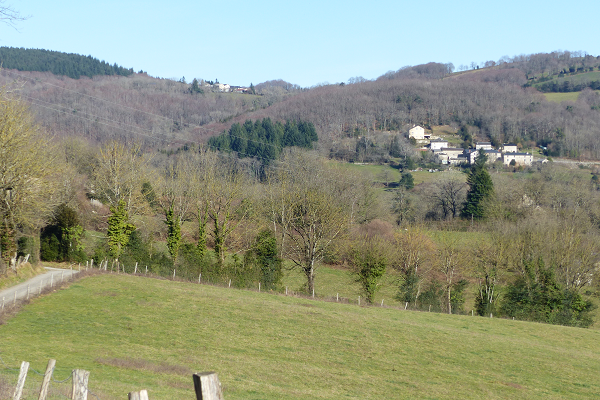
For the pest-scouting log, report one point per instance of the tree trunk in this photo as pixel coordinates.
(310, 278)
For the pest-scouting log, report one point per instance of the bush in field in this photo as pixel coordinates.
(369, 261)
(29, 245)
(193, 262)
(61, 239)
(537, 296)
(263, 262)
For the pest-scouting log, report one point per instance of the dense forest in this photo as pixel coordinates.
(264, 139)
(67, 64)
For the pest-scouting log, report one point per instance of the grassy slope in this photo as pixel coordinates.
(134, 333)
(576, 79)
(560, 97)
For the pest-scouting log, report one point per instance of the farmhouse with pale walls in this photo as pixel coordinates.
(417, 133)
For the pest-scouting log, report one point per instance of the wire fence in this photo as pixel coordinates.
(26, 383)
(57, 389)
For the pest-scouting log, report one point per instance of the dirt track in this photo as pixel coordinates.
(35, 285)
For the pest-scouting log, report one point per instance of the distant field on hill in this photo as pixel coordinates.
(560, 97)
(133, 333)
(578, 78)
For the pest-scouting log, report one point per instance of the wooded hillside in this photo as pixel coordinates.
(71, 65)
(494, 103)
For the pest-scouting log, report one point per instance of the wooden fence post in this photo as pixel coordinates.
(21, 381)
(80, 384)
(141, 395)
(207, 386)
(46, 381)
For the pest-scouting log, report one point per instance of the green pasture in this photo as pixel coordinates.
(576, 79)
(136, 333)
(560, 97)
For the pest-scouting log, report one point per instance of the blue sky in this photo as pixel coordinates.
(303, 42)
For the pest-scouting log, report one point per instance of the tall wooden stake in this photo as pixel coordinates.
(80, 384)
(46, 381)
(21, 381)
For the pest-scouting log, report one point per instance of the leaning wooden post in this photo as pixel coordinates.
(46, 381)
(80, 384)
(207, 386)
(141, 395)
(21, 381)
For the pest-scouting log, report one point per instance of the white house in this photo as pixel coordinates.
(510, 148)
(449, 155)
(483, 145)
(417, 133)
(437, 144)
(519, 158)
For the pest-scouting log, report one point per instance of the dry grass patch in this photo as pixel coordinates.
(145, 365)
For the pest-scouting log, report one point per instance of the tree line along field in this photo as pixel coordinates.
(134, 332)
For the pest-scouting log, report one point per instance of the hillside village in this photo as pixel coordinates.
(223, 87)
(508, 154)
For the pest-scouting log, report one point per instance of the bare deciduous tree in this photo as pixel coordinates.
(449, 195)
(9, 15)
(119, 175)
(310, 206)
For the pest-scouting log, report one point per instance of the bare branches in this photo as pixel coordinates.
(9, 15)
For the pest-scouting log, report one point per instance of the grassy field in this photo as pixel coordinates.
(576, 79)
(560, 97)
(133, 333)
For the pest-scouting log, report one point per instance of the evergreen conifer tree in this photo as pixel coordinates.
(119, 229)
(173, 233)
(481, 188)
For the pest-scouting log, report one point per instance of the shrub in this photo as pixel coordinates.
(29, 245)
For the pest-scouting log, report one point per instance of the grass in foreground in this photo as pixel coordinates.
(134, 333)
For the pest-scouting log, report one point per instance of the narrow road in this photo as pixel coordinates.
(34, 286)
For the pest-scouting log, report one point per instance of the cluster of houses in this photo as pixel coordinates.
(225, 88)
(455, 155)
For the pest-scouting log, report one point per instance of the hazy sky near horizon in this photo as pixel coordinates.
(305, 43)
